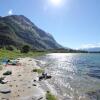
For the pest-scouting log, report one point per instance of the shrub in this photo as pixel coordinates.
(25, 49)
(38, 70)
(49, 96)
(11, 48)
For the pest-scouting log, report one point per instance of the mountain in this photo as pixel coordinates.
(92, 49)
(17, 30)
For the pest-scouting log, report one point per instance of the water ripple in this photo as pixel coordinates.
(74, 75)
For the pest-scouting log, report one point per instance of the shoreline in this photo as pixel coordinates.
(21, 82)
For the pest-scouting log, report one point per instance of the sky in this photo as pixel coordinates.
(73, 23)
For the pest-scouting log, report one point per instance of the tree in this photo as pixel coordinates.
(25, 49)
(11, 48)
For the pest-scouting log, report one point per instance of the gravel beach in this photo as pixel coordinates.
(22, 84)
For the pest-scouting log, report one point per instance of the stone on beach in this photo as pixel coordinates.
(7, 73)
(22, 84)
(5, 91)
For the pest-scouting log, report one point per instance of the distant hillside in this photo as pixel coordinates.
(95, 49)
(17, 30)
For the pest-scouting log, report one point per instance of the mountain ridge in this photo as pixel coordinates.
(18, 30)
(92, 49)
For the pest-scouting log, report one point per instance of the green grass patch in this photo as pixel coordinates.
(1, 67)
(16, 54)
(39, 71)
(50, 96)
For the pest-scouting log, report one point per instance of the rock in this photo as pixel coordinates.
(40, 98)
(7, 73)
(34, 84)
(34, 80)
(2, 78)
(2, 81)
(19, 75)
(41, 77)
(44, 77)
(4, 99)
(5, 91)
(18, 95)
(29, 87)
(10, 85)
(48, 77)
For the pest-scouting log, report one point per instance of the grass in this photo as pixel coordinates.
(16, 53)
(39, 71)
(0, 67)
(6, 54)
(50, 96)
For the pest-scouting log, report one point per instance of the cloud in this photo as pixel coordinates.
(90, 45)
(10, 12)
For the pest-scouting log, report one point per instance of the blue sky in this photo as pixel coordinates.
(73, 23)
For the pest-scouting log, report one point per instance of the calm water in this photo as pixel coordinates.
(75, 76)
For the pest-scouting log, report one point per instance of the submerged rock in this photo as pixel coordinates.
(94, 95)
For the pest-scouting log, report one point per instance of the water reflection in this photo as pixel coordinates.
(70, 73)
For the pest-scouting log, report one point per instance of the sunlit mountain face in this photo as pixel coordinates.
(17, 30)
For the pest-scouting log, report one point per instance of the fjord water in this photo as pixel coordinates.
(75, 76)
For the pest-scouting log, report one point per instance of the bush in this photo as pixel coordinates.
(11, 48)
(38, 71)
(49, 96)
(25, 49)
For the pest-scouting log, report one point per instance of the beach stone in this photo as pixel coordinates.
(10, 85)
(34, 80)
(3, 82)
(40, 98)
(5, 91)
(29, 87)
(4, 99)
(19, 75)
(34, 84)
(18, 95)
(7, 73)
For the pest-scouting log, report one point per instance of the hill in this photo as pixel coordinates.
(17, 30)
(92, 49)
